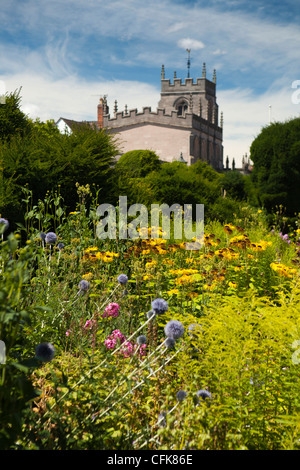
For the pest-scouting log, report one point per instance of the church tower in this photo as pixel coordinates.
(198, 98)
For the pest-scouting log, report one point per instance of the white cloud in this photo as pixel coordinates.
(245, 114)
(74, 98)
(219, 52)
(176, 27)
(188, 43)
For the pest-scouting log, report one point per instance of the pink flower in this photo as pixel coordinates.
(89, 324)
(117, 334)
(111, 341)
(112, 310)
(127, 349)
(68, 333)
(143, 350)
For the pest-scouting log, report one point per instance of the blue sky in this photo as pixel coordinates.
(65, 54)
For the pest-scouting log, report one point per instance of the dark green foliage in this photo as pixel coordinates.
(178, 183)
(276, 174)
(233, 182)
(137, 163)
(44, 159)
(12, 120)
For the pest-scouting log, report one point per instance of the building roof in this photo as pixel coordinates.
(71, 124)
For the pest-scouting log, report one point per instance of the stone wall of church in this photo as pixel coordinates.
(167, 142)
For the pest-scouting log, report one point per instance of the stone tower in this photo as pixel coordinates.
(198, 98)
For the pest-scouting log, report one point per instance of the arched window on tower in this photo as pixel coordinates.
(181, 106)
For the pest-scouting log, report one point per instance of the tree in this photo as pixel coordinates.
(137, 163)
(12, 120)
(233, 182)
(44, 158)
(275, 153)
(130, 174)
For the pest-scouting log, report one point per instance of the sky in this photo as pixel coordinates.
(64, 55)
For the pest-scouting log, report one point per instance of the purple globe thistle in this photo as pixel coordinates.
(181, 395)
(150, 314)
(141, 340)
(122, 279)
(83, 286)
(204, 394)
(174, 329)
(169, 342)
(45, 352)
(4, 224)
(60, 246)
(159, 306)
(51, 238)
(42, 236)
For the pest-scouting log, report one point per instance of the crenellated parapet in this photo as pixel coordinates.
(201, 85)
(160, 117)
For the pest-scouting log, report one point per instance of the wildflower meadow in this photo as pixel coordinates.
(143, 344)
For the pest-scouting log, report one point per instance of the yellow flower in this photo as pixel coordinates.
(107, 259)
(161, 250)
(92, 248)
(173, 291)
(228, 228)
(183, 271)
(261, 246)
(283, 270)
(150, 264)
(111, 254)
(88, 276)
(185, 279)
(232, 284)
(210, 286)
(193, 294)
(168, 261)
(238, 268)
(226, 253)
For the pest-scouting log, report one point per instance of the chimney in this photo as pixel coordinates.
(100, 113)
